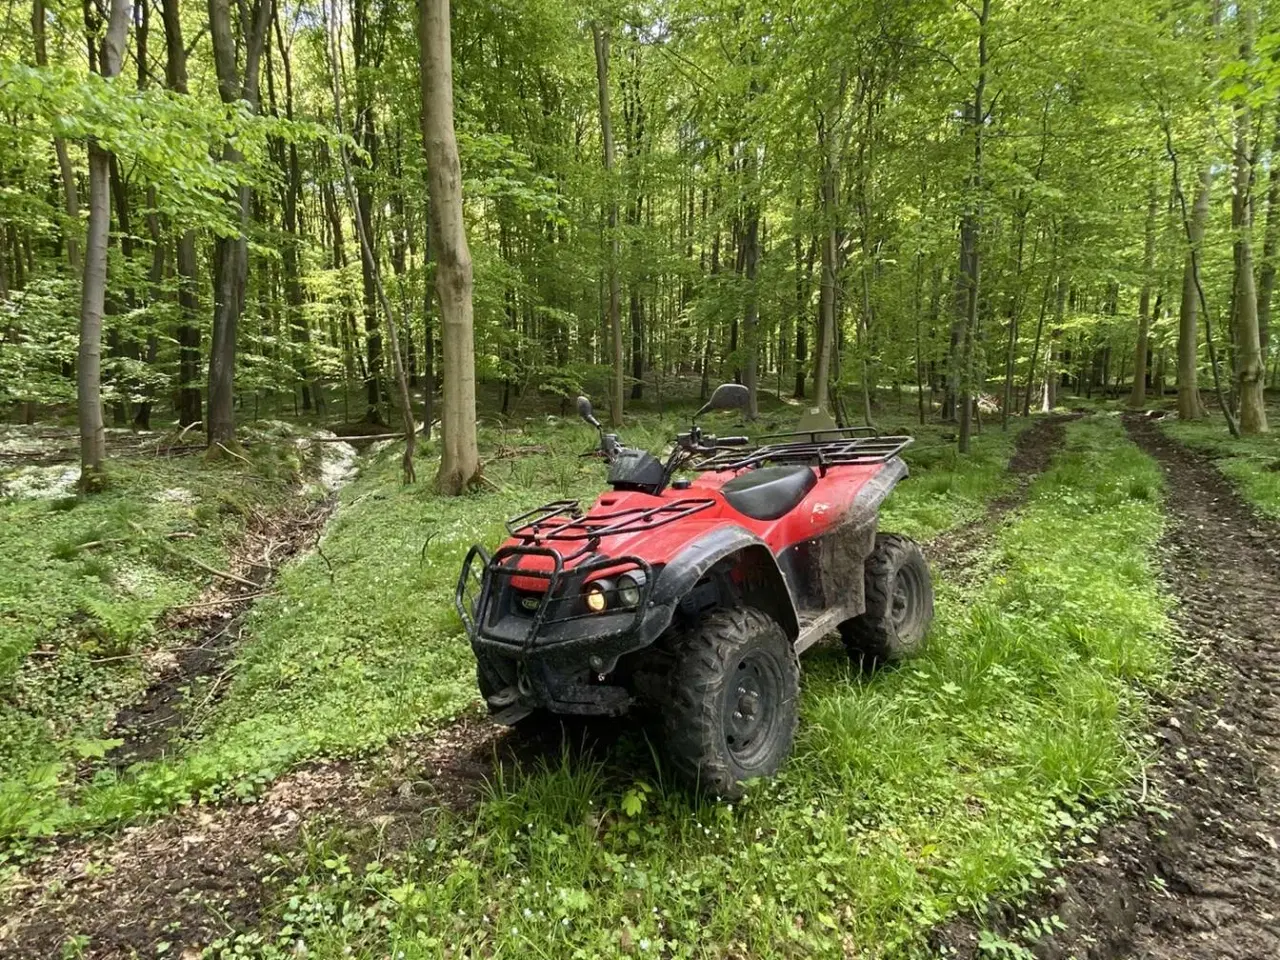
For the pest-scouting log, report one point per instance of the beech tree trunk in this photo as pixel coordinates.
(601, 41)
(970, 255)
(459, 455)
(93, 450)
(750, 322)
(366, 136)
(1270, 241)
(292, 221)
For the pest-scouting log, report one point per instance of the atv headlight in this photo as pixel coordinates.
(629, 588)
(596, 595)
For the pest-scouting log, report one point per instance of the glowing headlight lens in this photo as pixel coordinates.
(596, 595)
(629, 585)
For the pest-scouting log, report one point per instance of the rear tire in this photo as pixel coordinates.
(733, 701)
(899, 604)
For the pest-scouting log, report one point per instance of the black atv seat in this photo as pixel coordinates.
(766, 493)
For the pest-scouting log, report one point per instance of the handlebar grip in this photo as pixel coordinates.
(732, 441)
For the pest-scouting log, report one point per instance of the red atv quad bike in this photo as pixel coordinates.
(692, 599)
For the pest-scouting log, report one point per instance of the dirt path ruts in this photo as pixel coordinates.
(955, 554)
(1197, 876)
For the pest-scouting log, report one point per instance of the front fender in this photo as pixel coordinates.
(692, 563)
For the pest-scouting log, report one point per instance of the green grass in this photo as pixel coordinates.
(913, 794)
(1252, 464)
(361, 643)
(946, 488)
(83, 584)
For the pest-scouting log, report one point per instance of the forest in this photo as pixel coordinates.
(297, 300)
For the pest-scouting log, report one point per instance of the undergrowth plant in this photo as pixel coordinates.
(914, 793)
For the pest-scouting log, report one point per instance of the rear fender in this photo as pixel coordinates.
(753, 563)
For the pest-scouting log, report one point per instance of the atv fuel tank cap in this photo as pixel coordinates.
(684, 483)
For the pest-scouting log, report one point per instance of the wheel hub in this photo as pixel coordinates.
(750, 708)
(905, 597)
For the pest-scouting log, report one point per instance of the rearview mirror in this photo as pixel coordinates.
(727, 396)
(586, 413)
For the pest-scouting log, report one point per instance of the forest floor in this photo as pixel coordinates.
(416, 834)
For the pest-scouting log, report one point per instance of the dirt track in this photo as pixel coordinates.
(1196, 875)
(956, 555)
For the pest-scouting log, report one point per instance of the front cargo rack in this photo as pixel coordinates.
(836, 452)
(564, 520)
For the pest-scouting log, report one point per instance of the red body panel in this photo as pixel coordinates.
(820, 510)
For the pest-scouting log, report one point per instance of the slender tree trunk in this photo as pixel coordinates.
(1051, 373)
(750, 322)
(93, 291)
(830, 192)
(231, 254)
(1138, 393)
(459, 456)
(802, 321)
(67, 173)
(292, 221)
(970, 254)
(601, 40)
(188, 332)
(1189, 405)
(370, 260)
(365, 134)
(1271, 238)
(1250, 370)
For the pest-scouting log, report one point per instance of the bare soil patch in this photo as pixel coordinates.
(206, 872)
(1197, 873)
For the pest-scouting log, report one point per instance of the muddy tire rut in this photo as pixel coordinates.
(1196, 873)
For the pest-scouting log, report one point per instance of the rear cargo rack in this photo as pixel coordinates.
(836, 452)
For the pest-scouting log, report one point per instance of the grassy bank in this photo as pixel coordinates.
(914, 793)
(84, 585)
(1252, 464)
(360, 642)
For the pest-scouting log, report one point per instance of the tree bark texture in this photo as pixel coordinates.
(459, 455)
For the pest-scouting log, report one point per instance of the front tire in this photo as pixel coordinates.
(733, 701)
(899, 604)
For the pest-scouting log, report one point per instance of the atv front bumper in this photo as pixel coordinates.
(536, 640)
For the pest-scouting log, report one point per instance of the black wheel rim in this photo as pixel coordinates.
(905, 601)
(752, 702)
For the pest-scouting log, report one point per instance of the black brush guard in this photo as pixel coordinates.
(519, 618)
(533, 622)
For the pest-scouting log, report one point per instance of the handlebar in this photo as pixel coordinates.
(732, 441)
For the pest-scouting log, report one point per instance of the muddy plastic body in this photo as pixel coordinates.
(568, 614)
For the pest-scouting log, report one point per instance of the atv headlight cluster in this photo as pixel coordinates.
(626, 591)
